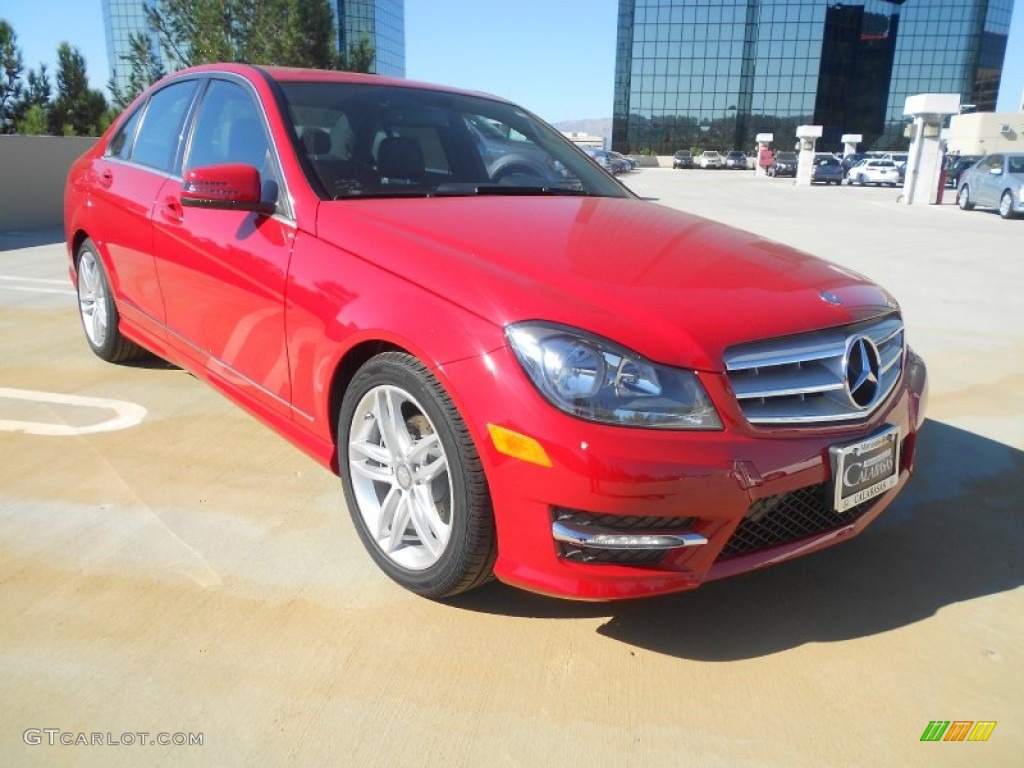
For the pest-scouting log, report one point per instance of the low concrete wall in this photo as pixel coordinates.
(33, 170)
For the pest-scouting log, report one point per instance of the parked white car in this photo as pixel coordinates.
(709, 159)
(873, 171)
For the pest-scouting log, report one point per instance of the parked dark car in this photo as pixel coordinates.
(784, 164)
(682, 159)
(851, 160)
(736, 160)
(827, 170)
(955, 167)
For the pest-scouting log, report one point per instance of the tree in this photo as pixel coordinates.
(10, 76)
(34, 123)
(77, 110)
(293, 33)
(359, 57)
(146, 67)
(36, 93)
(309, 36)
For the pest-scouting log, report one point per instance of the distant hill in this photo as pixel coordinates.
(595, 127)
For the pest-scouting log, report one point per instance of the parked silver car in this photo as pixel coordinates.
(996, 181)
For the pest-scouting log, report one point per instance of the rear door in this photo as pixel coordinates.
(224, 272)
(129, 175)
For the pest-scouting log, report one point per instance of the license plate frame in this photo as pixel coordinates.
(865, 469)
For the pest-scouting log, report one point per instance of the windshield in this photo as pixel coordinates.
(786, 157)
(366, 140)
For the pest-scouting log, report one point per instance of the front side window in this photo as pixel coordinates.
(994, 161)
(229, 129)
(156, 144)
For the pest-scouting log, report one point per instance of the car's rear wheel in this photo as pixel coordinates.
(414, 483)
(963, 198)
(98, 311)
(1006, 205)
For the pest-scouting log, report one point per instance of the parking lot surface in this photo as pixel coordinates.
(170, 567)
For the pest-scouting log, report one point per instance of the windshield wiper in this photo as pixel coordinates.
(379, 193)
(468, 189)
(513, 190)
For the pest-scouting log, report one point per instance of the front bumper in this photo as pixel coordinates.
(735, 491)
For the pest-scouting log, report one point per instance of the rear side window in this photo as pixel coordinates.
(121, 145)
(156, 144)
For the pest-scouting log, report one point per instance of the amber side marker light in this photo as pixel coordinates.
(518, 446)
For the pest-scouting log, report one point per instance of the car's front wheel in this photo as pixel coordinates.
(97, 309)
(1006, 205)
(963, 199)
(414, 483)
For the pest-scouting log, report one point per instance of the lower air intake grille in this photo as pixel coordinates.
(788, 517)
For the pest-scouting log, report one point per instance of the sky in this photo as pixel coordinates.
(554, 57)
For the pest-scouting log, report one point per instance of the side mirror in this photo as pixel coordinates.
(231, 186)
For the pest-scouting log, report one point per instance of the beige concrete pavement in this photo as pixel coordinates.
(195, 574)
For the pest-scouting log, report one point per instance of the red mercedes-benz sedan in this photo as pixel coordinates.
(517, 368)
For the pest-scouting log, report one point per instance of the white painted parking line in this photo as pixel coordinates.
(125, 414)
(18, 279)
(34, 285)
(37, 290)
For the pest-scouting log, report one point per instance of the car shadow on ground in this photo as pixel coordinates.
(953, 535)
(12, 240)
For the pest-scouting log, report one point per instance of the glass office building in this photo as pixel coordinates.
(380, 21)
(702, 74)
(121, 20)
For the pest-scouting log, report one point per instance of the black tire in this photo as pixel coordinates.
(98, 310)
(963, 199)
(384, 483)
(1006, 210)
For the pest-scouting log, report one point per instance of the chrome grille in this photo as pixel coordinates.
(803, 380)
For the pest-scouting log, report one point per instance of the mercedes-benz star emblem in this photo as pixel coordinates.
(862, 371)
(831, 298)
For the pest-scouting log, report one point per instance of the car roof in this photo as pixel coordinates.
(302, 75)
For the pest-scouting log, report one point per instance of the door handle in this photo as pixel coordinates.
(172, 210)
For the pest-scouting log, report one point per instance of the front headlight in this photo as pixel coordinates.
(597, 380)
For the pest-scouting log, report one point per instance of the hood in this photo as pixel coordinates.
(674, 287)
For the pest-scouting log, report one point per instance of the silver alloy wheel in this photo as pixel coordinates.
(400, 478)
(963, 198)
(92, 299)
(1006, 205)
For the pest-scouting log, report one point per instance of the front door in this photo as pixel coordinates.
(224, 272)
